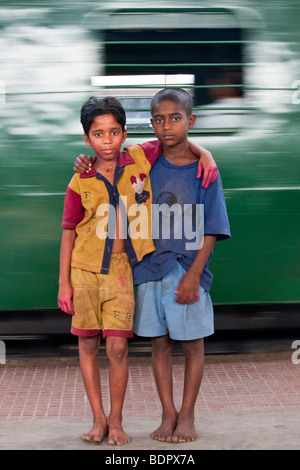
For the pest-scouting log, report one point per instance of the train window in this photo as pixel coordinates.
(201, 52)
(139, 92)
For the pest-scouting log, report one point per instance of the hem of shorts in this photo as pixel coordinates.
(178, 337)
(147, 335)
(123, 333)
(79, 332)
(191, 337)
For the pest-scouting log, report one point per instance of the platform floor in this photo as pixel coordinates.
(249, 401)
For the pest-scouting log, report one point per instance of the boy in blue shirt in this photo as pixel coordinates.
(172, 300)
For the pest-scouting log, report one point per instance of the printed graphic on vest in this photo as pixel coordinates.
(138, 184)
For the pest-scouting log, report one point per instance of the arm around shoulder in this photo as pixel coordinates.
(152, 149)
(207, 164)
(83, 163)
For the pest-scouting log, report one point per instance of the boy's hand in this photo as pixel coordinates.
(188, 289)
(208, 166)
(83, 163)
(64, 299)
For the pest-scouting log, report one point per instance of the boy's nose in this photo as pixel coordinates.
(107, 138)
(168, 124)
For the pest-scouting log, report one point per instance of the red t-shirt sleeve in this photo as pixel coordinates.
(73, 211)
(152, 150)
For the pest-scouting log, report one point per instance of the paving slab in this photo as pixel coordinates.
(255, 431)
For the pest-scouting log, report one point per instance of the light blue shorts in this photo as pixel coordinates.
(157, 313)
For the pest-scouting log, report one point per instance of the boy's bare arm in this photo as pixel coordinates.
(188, 287)
(65, 292)
(207, 164)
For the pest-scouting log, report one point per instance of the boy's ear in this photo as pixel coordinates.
(87, 140)
(192, 120)
(124, 136)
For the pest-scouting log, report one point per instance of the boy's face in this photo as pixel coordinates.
(171, 123)
(105, 137)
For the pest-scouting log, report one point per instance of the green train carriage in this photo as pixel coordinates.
(240, 63)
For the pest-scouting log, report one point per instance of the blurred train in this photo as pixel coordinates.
(241, 63)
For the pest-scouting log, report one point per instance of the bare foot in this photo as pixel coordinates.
(97, 433)
(116, 434)
(165, 431)
(185, 431)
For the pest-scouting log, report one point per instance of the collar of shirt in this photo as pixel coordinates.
(123, 159)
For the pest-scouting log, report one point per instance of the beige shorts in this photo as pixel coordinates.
(103, 302)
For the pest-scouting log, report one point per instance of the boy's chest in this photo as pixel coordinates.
(133, 186)
(174, 187)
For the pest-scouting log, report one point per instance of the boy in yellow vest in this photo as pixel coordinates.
(97, 250)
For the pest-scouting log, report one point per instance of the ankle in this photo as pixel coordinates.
(114, 418)
(186, 415)
(169, 413)
(99, 418)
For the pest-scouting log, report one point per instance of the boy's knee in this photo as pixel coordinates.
(162, 345)
(89, 345)
(116, 348)
(194, 347)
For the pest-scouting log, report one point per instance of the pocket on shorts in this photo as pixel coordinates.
(80, 278)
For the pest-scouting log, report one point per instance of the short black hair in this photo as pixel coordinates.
(178, 95)
(97, 107)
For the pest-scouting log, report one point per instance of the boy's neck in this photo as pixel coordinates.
(103, 166)
(106, 169)
(179, 155)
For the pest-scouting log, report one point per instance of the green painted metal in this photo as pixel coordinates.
(48, 54)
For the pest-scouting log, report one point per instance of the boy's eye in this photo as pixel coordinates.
(158, 120)
(176, 118)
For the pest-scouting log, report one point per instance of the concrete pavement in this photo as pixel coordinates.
(246, 401)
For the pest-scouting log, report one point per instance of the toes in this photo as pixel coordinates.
(90, 438)
(118, 440)
(182, 438)
(162, 437)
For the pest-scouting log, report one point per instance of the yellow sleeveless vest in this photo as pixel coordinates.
(95, 232)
